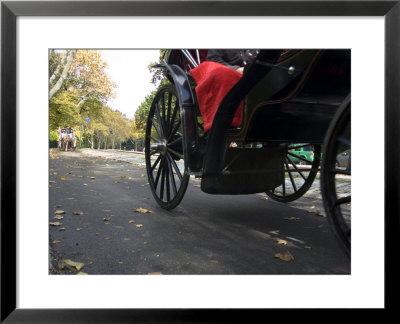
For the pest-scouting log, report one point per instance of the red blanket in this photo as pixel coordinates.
(213, 81)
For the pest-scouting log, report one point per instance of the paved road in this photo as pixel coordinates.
(103, 233)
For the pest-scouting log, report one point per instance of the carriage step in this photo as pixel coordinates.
(247, 171)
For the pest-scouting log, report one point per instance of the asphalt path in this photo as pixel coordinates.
(95, 226)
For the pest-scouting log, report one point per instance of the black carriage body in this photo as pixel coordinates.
(288, 98)
(302, 104)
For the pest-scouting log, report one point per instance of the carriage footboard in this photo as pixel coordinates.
(247, 171)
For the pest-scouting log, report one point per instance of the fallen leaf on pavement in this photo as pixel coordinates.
(143, 211)
(123, 176)
(59, 212)
(292, 218)
(108, 238)
(82, 273)
(77, 265)
(92, 178)
(307, 247)
(281, 242)
(287, 256)
(78, 213)
(139, 225)
(63, 178)
(78, 229)
(56, 241)
(196, 185)
(62, 229)
(55, 223)
(107, 219)
(155, 273)
(131, 221)
(59, 217)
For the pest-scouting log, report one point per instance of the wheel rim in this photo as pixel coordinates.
(164, 150)
(336, 181)
(297, 177)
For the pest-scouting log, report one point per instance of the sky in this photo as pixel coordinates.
(128, 69)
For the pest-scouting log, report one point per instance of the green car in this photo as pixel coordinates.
(302, 151)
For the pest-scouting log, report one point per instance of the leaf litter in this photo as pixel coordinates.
(287, 256)
(143, 211)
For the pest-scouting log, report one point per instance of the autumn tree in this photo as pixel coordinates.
(78, 89)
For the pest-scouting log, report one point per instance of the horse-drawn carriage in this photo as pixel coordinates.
(289, 99)
(66, 139)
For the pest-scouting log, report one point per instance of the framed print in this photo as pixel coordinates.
(30, 28)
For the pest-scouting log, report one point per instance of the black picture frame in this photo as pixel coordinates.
(10, 10)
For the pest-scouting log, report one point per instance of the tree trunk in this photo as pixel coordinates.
(58, 69)
(57, 86)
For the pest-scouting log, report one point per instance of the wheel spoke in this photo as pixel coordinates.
(162, 179)
(179, 139)
(155, 163)
(162, 112)
(298, 157)
(290, 176)
(157, 110)
(158, 175)
(175, 153)
(156, 127)
(169, 113)
(175, 166)
(172, 177)
(174, 130)
(296, 168)
(167, 185)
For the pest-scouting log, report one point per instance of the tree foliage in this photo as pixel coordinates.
(79, 93)
(159, 78)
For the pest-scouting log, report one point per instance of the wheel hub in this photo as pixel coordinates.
(160, 147)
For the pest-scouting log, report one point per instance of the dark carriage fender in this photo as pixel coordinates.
(188, 115)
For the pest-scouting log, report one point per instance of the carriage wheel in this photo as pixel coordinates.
(164, 149)
(336, 181)
(299, 174)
